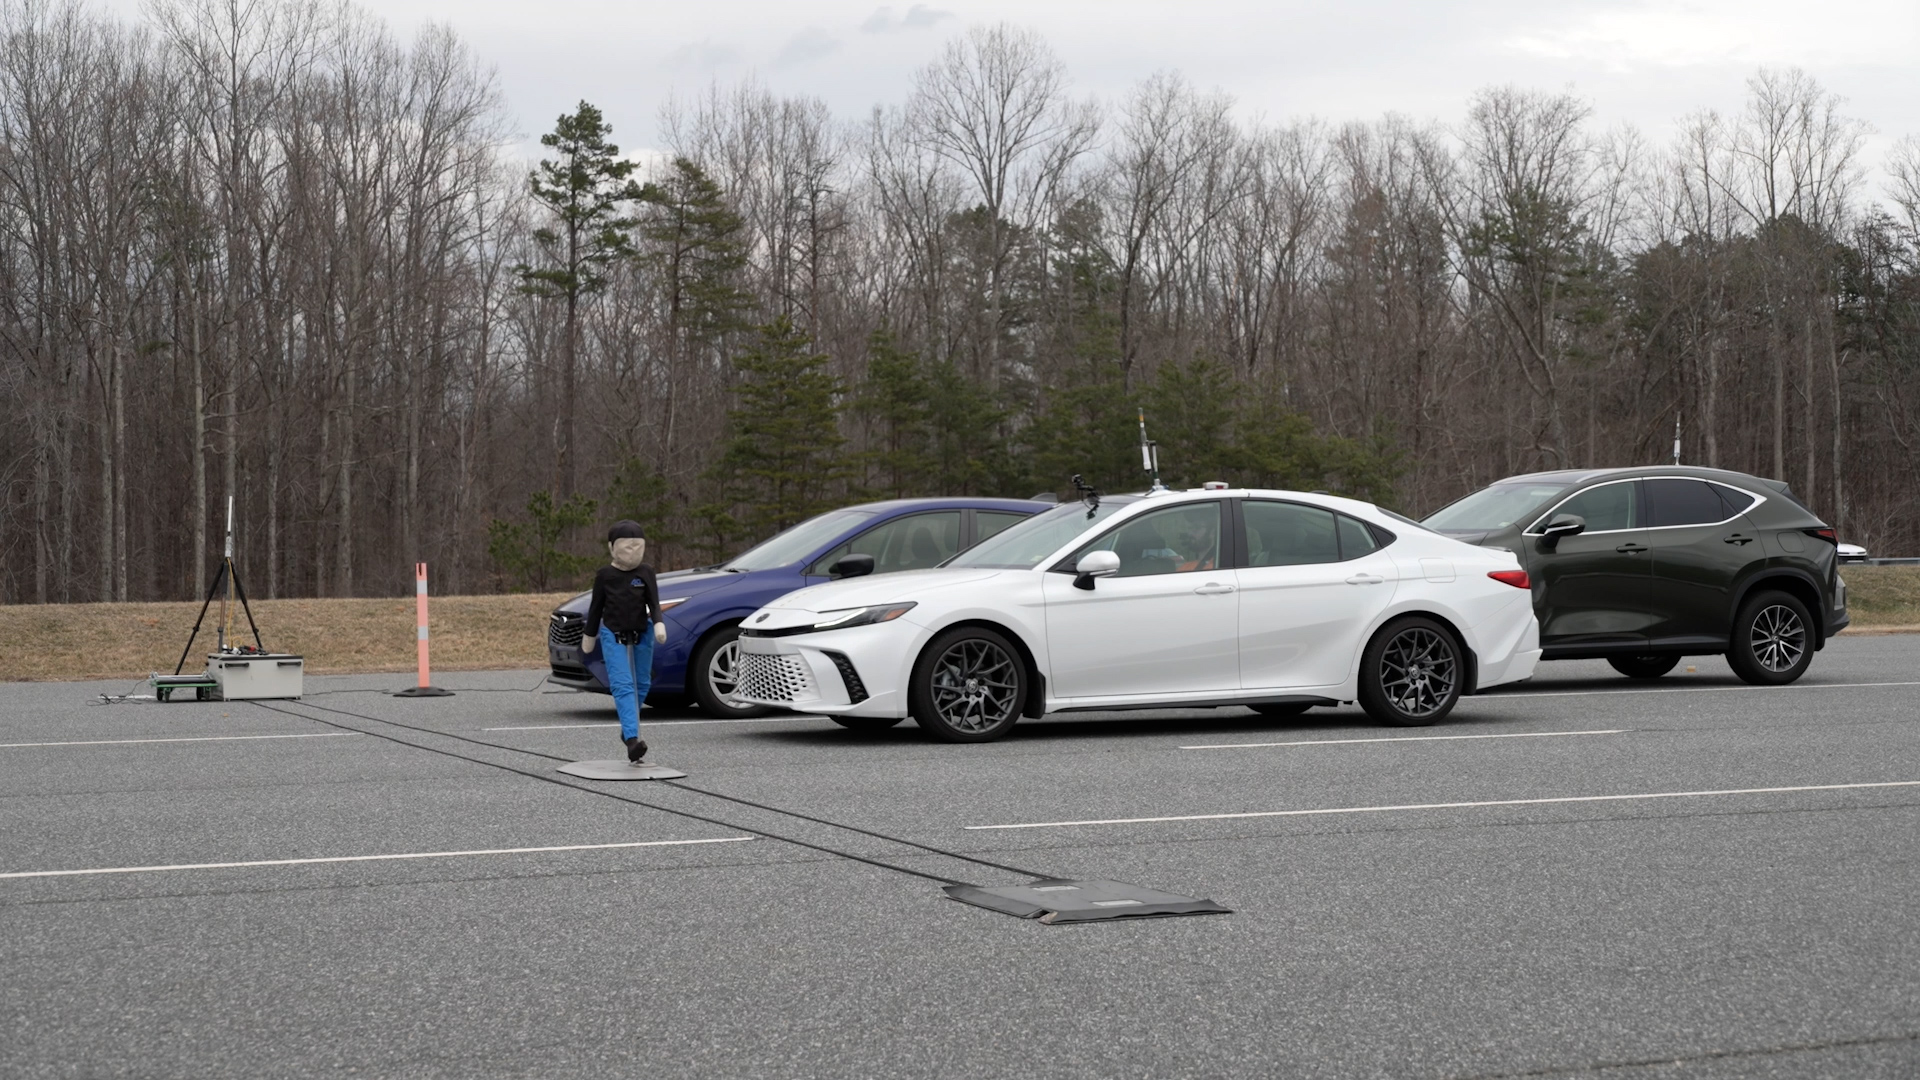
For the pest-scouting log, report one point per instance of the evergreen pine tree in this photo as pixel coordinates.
(583, 187)
(783, 459)
(896, 402)
(695, 248)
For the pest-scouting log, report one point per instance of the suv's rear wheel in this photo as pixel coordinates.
(1643, 667)
(1411, 673)
(968, 686)
(712, 673)
(1772, 640)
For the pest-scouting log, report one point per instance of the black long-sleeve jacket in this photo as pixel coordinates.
(625, 599)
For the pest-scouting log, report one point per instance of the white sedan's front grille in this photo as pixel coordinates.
(766, 677)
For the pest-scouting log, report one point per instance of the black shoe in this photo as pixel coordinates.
(636, 750)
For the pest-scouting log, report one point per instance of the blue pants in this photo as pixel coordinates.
(629, 676)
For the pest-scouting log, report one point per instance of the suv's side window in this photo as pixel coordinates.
(1607, 508)
(1177, 540)
(1737, 501)
(914, 542)
(1678, 501)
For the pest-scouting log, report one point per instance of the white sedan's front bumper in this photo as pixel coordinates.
(861, 671)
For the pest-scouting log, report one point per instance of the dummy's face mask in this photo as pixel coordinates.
(628, 551)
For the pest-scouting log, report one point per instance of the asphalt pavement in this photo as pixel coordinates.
(1579, 876)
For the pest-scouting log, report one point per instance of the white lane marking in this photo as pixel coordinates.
(645, 723)
(196, 738)
(1691, 690)
(369, 858)
(1452, 805)
(1403, 738)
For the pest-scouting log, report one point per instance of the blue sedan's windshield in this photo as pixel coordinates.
(1022, 546)
(799, 542)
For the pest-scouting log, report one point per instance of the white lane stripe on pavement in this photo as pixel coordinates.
(367, 858)
(1452, 805)
(1403, 738)
(1497, 696)
(193, 738)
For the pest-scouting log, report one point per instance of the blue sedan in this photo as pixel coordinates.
(703, 607)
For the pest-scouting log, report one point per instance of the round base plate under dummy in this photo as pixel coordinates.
(619, 769)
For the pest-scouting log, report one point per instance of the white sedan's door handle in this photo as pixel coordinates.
(1366, 579)
(1213, 588)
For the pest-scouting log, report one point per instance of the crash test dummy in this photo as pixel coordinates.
(623, 619)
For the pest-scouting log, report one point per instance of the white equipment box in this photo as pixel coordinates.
(244, 676)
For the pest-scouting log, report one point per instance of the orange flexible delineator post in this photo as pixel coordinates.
(425, 688)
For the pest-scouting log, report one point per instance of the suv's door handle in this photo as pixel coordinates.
(1365, 579)
(1631, 548)
(1213, 588)
(1736, 538)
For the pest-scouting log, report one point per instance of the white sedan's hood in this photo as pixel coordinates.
(799, 607)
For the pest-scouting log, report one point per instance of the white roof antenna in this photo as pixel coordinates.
(1150, 456)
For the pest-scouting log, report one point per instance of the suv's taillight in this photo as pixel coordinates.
(1516, 578)
(1828, 535)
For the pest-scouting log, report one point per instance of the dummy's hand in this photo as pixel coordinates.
(659, 633)
(587, 644)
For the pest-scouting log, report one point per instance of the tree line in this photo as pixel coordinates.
(268, 250)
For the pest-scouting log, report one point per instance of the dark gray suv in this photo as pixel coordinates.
(1641, 567)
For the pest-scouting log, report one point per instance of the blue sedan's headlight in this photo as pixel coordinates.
(669, 605)
(861, 616)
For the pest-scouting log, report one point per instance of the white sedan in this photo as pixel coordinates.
(1276, 600)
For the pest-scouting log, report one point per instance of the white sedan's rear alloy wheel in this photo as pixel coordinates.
(1411, 673)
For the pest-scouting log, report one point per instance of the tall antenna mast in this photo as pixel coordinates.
(226, 598)
(1149, 455)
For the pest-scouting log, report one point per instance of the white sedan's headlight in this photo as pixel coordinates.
(861, 616)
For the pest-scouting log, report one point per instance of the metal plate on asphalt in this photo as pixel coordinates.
(618, 769)
(1058, 900)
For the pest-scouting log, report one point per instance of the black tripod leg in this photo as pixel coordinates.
(241, 590)
(204, 605)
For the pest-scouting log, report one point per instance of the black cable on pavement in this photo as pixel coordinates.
(595, 791)
(701, 791)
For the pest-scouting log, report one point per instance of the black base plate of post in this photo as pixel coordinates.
(1058, 900)
(423, 691)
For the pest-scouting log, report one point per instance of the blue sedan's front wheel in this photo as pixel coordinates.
(713, 674)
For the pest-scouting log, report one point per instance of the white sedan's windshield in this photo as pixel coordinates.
(1494, 507)
(1022, 546)
(797, 543)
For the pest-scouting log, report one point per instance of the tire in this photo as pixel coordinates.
(1411, 673)
(712, 664)
(866, 723)
(1643, 667)
(968, 686)
(1772, 642)
(1280, 709)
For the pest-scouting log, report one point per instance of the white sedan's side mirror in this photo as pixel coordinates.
(1095, 564)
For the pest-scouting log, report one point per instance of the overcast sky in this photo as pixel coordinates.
(1642, 62)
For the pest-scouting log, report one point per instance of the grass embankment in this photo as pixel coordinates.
(116, 641)
(473, 633)
(1883, 599)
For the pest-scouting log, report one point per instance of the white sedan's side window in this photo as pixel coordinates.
(1289, 534)
(1177, 540)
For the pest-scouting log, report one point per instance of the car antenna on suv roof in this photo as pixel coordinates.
(1087, 494)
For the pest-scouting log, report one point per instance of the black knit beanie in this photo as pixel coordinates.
(625, 529)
